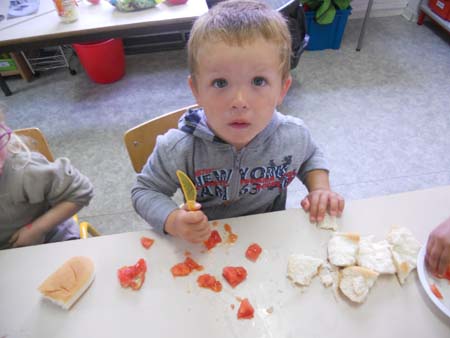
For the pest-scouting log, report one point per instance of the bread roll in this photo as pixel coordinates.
(342, 248)
(375, 255)
(405, 249)
(69, 282)
(328, 223)
(356, 281)
(301, 269)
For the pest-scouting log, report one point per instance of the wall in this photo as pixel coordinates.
(379, 8)
(411, 11)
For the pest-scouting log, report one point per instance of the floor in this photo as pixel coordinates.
(382, 115)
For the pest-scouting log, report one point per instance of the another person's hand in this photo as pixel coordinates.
(438, 249)
(191, 226)
(319, 201)
(27, 235)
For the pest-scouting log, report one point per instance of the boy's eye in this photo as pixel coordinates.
(220, 83)
(259, 81)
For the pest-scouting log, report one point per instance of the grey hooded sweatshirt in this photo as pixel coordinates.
(230, 183)
(30, 185)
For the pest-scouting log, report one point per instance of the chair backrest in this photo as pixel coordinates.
(141, 140)
(36, 141)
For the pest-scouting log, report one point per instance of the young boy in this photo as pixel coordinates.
(239, 151)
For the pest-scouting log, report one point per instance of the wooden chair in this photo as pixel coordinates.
(36, 141)
(141, 140)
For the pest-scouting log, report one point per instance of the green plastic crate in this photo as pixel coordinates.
(7, 64)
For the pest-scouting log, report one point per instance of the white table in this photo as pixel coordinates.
(168, 307)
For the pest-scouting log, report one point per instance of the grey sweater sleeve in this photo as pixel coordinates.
(314, 157)
(151, 194)
(55, 182)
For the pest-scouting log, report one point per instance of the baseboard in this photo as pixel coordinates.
(358, 14)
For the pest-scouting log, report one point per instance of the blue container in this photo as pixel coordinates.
(326, 36)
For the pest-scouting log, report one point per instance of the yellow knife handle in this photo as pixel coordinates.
(191, 205)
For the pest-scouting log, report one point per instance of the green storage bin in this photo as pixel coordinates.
(6, 63)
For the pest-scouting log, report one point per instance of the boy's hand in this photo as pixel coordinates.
(27, 235)
(438, 249)
(191, 226)
(319, 201)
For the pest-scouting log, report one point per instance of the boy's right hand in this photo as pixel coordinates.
(191, 226)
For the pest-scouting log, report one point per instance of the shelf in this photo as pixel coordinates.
(22, 68)
(436, 18)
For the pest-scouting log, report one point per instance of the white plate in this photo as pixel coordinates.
(426, 279)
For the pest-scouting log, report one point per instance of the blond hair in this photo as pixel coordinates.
(16, 144)
(237, 22)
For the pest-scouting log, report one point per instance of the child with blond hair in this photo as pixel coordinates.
(237, 148)
(37, 198)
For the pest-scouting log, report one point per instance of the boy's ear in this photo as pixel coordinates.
(191, 84)
(284, 88)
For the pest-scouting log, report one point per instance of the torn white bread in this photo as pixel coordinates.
(64, 286)
(301, 269)
(342, 248)
(405, 249)
(356, 282)
(329, 275)
(375, 255)
(328, 223)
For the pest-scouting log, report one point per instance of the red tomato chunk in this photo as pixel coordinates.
(213, 240)
(209, 282)
(132, 276)
(246, 310)
(253, 252)
(147, 242)
(185, 268)
(234, 275)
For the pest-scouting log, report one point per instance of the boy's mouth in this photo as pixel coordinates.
(239, 125)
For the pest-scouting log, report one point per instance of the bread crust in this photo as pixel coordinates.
(69, 281)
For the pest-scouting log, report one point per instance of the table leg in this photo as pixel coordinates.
(363, 28)
(4, 86)
(421, 18)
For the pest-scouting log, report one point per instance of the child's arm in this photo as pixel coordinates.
(191, 226)
(438, 249)
(320, 197)
(34, 233)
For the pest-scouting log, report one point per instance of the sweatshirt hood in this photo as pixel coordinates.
(194, 122)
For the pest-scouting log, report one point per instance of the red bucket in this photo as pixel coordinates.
(103, 61)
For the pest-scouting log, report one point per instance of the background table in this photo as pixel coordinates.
(177, 307)
(96, 22)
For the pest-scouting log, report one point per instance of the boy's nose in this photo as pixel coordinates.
(240, 99)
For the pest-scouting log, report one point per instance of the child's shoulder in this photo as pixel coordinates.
(293, 124)
(174, 139)
(32, 162)
(289, 120)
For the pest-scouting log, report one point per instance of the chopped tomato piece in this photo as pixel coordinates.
(253, 252)
(436, 291)
(213, 240)
(147, 242)
(133, 276)
(447, 273)
(209, 282)
(234, 275)
(246, 310)
(193, 265)
(180, 269)
(185, 268)
(232, 237)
